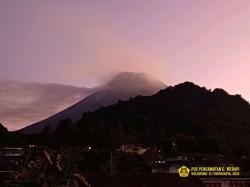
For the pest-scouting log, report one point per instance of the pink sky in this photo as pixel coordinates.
(82, 42)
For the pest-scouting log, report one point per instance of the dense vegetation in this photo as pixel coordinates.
(192, 117)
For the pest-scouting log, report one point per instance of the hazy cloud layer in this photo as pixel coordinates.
(26, 103)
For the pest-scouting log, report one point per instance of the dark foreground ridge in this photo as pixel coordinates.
(196, 119)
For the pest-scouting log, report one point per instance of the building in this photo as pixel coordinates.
(11, 158)
(131, 148)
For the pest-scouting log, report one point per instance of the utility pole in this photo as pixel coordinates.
(111, 163)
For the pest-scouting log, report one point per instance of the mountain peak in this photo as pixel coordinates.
(132, 79)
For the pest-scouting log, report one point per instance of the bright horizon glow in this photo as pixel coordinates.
(85, 42)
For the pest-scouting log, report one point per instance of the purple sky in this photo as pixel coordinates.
(81, 42)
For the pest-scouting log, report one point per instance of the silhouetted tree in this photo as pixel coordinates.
(3, 133)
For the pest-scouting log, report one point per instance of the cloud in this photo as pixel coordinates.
(26, 103)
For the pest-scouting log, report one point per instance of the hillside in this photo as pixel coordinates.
(196, 119)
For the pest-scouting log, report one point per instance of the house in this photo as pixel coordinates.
(11, 158)
(131, 148)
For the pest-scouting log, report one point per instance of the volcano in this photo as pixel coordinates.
(122, 86)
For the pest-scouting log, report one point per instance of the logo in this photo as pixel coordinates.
(183, 171)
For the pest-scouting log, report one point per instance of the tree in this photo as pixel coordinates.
(67, 133)
(3, 132)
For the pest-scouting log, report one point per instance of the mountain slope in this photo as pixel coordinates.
(25, 103)
(197, 119)
(122, 87)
